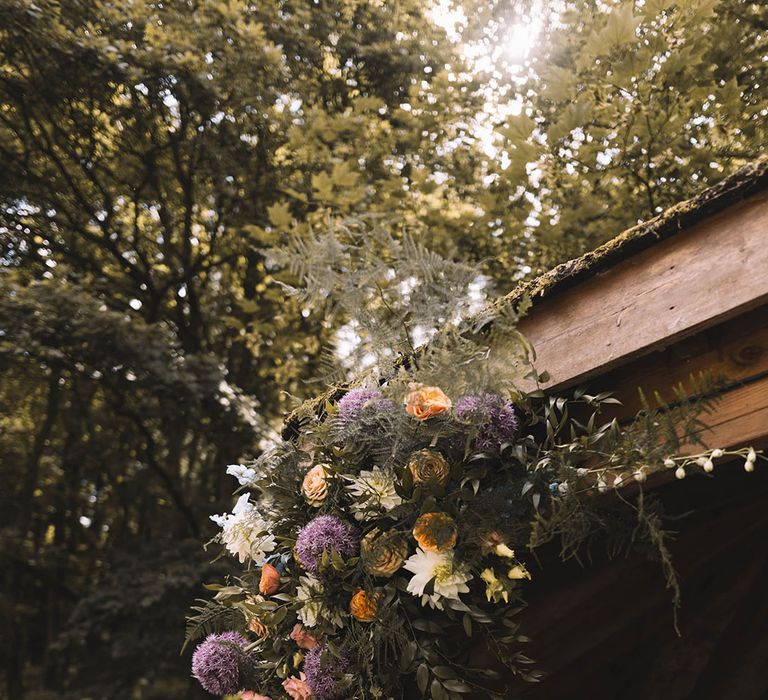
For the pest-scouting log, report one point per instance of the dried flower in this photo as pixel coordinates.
(425, 402)
(383, 553)
(364, 605)
(270, 580)
(324, 674)
(216, 662)
(429, 467)
(314, 487)
(303, 639)
(435, 532)
(325, 533)
(297, 688)
(493, 417)
(258, 628)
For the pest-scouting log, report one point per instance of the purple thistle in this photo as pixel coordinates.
(493, 417)
(323, 671)
(324, 533)
(357, 400)
(216, 662)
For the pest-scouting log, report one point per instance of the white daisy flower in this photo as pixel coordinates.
(450, 580)
(244, 532)
(373, 491)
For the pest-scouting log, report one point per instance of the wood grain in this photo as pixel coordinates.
(690, 282)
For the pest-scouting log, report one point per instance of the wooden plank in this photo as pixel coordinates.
(736, 350)
(694, 280)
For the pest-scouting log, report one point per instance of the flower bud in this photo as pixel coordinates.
(669, 463)
(752, 455)
(680, 472)
(640, 475)
(602, 487)
(717, 453)
(618, 481)
(709, 466)
(749, 466)
(270, 580)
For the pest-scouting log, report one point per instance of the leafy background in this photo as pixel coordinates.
(151, 152)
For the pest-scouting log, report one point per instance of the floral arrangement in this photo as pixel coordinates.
(387, 549)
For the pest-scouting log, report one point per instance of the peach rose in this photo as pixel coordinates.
(364, 606)
(270, 580)
(427, 466)
(258, 627)
(250, 695)
(315, 485)
(383, 554)
(424, 402)
(435, 532)
(297, 688)
(303, 639)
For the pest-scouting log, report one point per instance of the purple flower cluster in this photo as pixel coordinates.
(322, 671)
(351, 405)
(216, 662)
(323, 534)
(493, 416)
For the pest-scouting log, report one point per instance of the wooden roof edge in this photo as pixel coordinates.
(748, 180)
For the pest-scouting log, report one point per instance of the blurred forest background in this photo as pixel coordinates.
(151, 152)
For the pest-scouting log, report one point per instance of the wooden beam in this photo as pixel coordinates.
(692, 281)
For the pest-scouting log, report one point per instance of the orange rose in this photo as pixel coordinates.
(435, 532)
(315, 485)
(426, 401)
(364, 606)
(270, 580)
(383, 554)
(427, 466)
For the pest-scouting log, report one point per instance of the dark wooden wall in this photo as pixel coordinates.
(606, 631)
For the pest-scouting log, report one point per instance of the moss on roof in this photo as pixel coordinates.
(743, 183)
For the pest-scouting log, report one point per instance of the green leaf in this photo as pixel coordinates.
(280, 215)
(422, 677)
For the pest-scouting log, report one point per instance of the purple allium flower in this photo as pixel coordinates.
(493, 416)
(324, 533)
(356, 400)
(216, 662)
(323, 672)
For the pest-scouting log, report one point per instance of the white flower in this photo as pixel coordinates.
(449, 580)
(373, 491)
(680, 472)
(309, 592)
(244, 532)
(244, 475)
